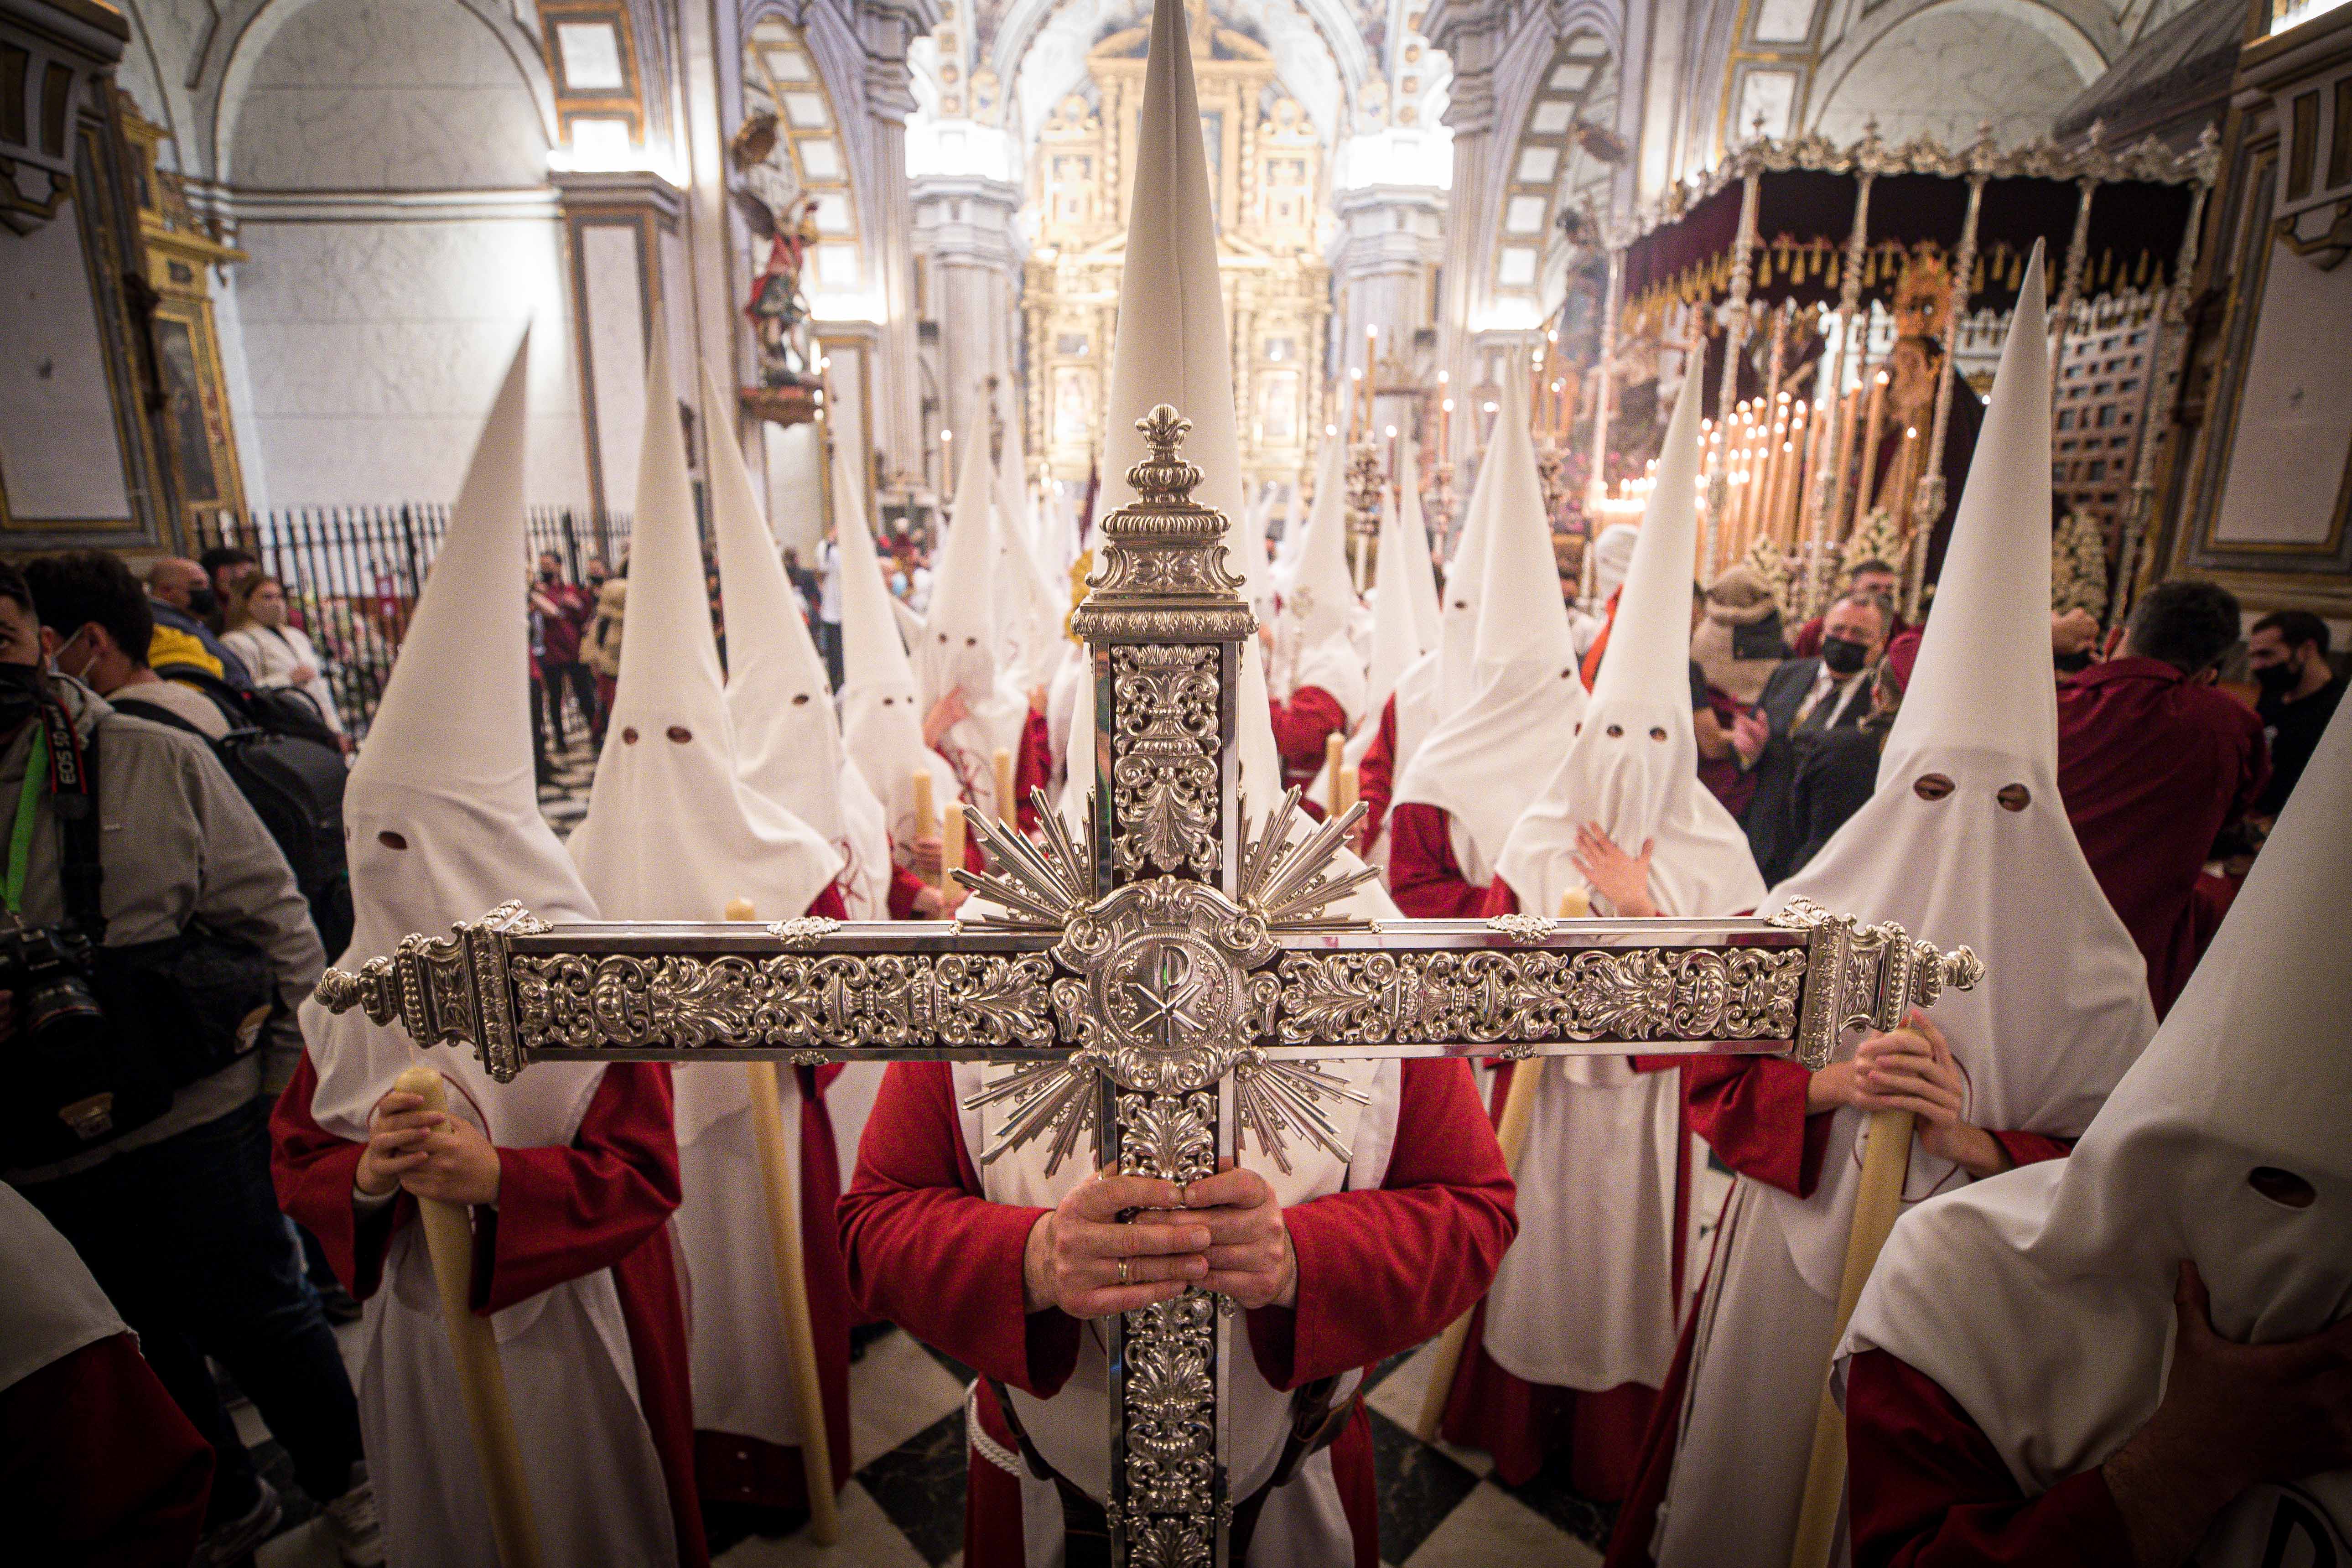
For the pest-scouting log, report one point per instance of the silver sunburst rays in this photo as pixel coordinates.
(1165, 985)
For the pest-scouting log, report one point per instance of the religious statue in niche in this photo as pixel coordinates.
(775, 210)
(1914, 367)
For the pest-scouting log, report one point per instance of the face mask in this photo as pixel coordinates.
(20, 693)
(204, 604)
(1843, 656)
(2278, 680)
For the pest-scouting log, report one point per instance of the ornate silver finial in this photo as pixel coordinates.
(1164, 478)
(1160, 574)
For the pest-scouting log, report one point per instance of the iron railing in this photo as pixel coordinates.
(351, 575)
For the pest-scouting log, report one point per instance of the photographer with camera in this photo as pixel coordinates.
(152, 950)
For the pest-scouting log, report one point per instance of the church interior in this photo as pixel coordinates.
(307, 304)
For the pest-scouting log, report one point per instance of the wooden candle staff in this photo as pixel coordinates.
(1511, 1132)
(1333, 746)
(782, 1196)
(474, 1346)
(1007, 808)
(1884, 1165)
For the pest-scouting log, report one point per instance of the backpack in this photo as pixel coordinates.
(272, 709)
(295, 786)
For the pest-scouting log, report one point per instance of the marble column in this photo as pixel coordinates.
(964, 230)
(886, 29)
(616, 224)
(1473, 33)
(1389, 237)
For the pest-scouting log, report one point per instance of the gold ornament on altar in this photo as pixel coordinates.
(1923, 294)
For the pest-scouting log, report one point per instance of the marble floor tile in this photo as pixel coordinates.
(896, 1389)
(1492, 1528)
(919, 1485)
(1418, 1488)
(1398, 1396)
(868, 1539)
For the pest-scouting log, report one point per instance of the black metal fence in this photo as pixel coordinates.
(351, 575)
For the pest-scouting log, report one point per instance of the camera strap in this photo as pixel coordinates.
(60, 762)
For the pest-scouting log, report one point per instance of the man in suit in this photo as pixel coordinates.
(1804, 700)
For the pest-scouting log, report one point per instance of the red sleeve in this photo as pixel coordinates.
(313, 1170)
(1032, 769)
(927, 1252)
(1302, 724)
(1927, 1489)
(904, 885)
(827, 904)
(2028, 1148)
(98, 1466)
(1500, 900)
(1380, 1271)
(1751, 1111)
(1376, 774)
(563, 1213)
(1423, 878)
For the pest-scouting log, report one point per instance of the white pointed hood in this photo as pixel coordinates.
(1396, 630)
(672, 832)
(1319, 607)
(1033, 608)
(1613, 555)
(1633, 766)
(1485, 761)
(881, 722)
(2041, 1299)
(1173, 348)
(962, 641)
(1257, 570)
(1413, 530)
(787, 736)
(2063, 1007)
(441, 814)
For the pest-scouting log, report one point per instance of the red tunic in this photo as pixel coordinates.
(2153, 766)
(1424, 878)
(604, 1201)
(905, 884)
(1751, 1111)
(1926, 1490)
(98, 1466)
(1379, 1271)
(1590, 670)
(1301, 727)
(1032, 769)
(1376, 774)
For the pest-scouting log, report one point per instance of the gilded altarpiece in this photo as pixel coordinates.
(1266, 177)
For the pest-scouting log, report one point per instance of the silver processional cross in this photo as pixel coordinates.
(1164, 989)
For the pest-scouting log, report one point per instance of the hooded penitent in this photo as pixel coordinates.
(1171, 349)
(1633, 766)
(881, 723)
(1312, 637)
(1033, 612)
(787, 735)
(1586, 1297)
(1484, 759)
(672, 832)
(2042, 1300)
(1404, 627)
(1965, 840)
(963, 639)
(441, 817)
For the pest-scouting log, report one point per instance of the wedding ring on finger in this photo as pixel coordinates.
(1122, 1270)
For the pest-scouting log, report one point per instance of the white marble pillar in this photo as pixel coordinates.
(964, 230)
(1475, 33)
(886, 29)
(617, 225)
(1390, 237)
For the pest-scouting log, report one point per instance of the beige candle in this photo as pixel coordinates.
(921, 779)
(1871, 429)
(951, 846)
(1005, 804)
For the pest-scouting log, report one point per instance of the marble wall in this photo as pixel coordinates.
(387, 165)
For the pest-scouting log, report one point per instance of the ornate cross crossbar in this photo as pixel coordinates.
(1163, 988)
